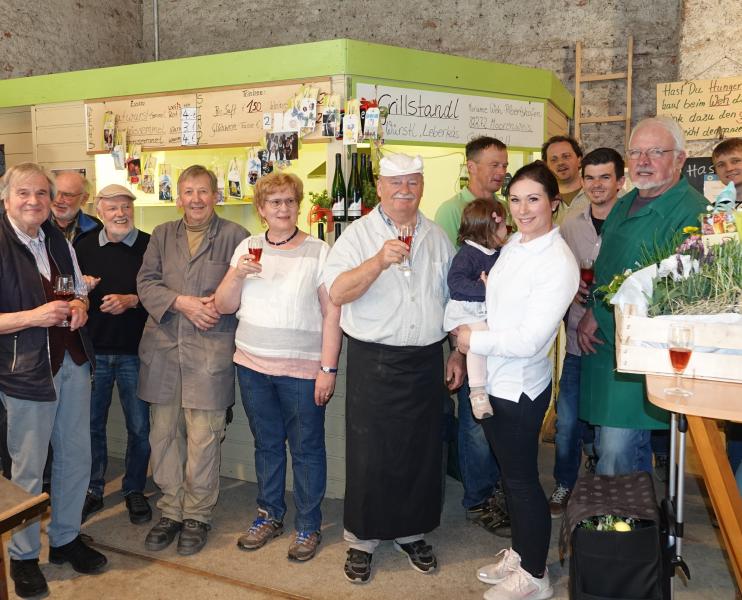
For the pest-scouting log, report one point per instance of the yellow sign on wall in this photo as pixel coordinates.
(224, 117)
(706, 109)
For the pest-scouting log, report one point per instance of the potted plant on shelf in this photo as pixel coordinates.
(321, 211)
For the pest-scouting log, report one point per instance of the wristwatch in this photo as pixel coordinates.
(328, 369)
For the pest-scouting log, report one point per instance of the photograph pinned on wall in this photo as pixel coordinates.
(134, 164)
(283, 147)
(253, 167)
(165, 187)
(266, 164)
(148, 175)
(330, 121)
(351, 125)
(109, 129)
(308, 113)
(134, 170)
(291, 121)
(119, 150)
(371, 123)
(233, 176)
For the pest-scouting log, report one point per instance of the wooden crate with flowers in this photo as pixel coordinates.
(699, 284)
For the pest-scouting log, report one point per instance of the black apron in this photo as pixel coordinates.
(393, 447)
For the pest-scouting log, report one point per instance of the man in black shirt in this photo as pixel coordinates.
(111, 260)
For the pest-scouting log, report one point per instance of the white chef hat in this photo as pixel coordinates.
(393, 165)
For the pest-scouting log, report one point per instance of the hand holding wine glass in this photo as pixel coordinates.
(255, 250)
(587, 276)
(64, 289)
(680, 347)
(405, 236)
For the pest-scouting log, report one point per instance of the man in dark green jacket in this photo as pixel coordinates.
(660, 206)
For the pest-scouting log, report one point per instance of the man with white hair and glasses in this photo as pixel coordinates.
(661, 204)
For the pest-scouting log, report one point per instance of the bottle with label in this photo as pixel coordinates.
(338, 231)
(355, 190)
(339, 199)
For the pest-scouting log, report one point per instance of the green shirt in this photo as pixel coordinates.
(448, 215)
(608, 397)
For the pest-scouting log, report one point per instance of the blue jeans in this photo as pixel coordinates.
(123, 369)
(31, 427)
(621, 451)
(278, 409)
(571, 432)
(479, 470)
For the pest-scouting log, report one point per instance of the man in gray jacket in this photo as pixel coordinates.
(187, 374)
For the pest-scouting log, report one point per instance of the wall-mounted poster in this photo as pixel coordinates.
(706, 109)
(442, 117)
(220, 117)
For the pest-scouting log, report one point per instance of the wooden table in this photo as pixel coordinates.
(711, 400)
(16, 507)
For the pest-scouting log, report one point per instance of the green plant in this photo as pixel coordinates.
(368, 194)
(608, 523)
(321, 199)
(716, 287)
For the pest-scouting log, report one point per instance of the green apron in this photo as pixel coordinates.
(608, 397)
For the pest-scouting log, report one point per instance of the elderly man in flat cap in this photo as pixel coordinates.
(393, 318)
(111, 259)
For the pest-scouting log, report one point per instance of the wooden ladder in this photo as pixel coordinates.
(581, 78)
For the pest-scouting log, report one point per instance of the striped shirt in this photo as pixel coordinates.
(38, 249)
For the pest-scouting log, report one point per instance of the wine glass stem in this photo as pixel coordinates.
(678, 381)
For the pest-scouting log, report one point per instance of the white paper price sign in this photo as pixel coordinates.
(188, 126)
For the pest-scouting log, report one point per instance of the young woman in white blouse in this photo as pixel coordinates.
(288, 341)
(528, 291)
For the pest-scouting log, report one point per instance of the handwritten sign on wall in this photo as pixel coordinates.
(224, 117)
(706, 109)
(440, 117)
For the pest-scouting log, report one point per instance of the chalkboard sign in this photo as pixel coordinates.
(706, 109)
(224, 117)
(441, 117)
(695, 170)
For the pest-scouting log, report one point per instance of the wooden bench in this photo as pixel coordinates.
(16, 508)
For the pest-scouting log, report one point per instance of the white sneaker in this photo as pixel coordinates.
(521, 585)
(480, 405)
(509, 561)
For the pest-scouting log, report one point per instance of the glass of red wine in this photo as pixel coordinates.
(680, 346)
(587, 274)
(405, 235)
(255, 249)
(64, 289)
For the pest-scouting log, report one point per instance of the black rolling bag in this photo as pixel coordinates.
(631, 565)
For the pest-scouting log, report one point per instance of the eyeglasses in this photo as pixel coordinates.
(651, 153)
(69, 195)
(277, 202)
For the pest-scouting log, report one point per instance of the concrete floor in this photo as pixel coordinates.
(221, 571)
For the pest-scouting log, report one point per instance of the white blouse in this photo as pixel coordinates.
(529, 290)
(280, 314)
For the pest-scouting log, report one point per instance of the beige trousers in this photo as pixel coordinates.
(186, 455)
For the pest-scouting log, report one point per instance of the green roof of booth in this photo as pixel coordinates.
(298, 61)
